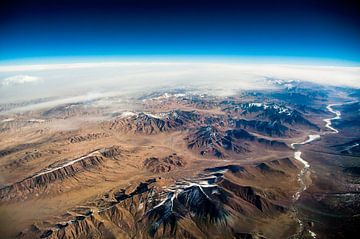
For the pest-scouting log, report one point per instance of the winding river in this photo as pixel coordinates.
(297, 156)
(311, 138)
(179, 187)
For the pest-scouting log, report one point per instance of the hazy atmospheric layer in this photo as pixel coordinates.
(86, 81)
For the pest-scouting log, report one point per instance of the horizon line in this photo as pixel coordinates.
(218, 59)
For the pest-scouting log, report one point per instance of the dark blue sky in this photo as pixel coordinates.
(64, 28)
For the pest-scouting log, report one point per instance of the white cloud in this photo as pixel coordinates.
(68, 81)
(19, 79)
(328, 75)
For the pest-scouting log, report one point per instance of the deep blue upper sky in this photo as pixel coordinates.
(64, 28)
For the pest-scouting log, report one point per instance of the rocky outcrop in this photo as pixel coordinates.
(8, 151)
(57, 172)
(187, 209)
(210, 141)
(43, 179)
(148, 123)
(164, 164)
(88, 137)
(111, 152)
(285, 163)
(249, 195)
(274, 128)
(264, 168)
(243, 135)
(272, 113)
(29, 156)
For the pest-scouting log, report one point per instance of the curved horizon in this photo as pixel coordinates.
(267, 60)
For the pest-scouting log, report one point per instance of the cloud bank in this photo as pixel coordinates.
(71, 80)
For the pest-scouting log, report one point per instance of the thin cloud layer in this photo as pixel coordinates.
(78, 79)
(331, 75)
(19, 79)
